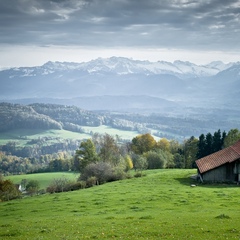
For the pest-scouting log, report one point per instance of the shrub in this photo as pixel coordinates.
(139, 174)
(139, 162)
(155, 160)
(32, 187)
(91, 181)
(72, 186)
(8, 190)
(58, 185)
(101, 170)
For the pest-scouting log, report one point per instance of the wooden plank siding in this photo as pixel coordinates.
(223, 173)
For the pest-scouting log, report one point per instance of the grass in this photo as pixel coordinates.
(44, 179)
(161, 205)
(22, 136)
(124, 134)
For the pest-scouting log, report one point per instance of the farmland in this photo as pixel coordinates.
(22, 136)
(161, 205)
(44, 179)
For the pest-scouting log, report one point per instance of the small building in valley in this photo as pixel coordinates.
(221, 166)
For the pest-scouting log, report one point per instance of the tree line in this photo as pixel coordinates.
(142, 152)
(35, 148)
(105, 158)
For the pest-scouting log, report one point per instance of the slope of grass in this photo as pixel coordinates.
(124, 134)
(161, 205)
(44, 179)
(22, 136)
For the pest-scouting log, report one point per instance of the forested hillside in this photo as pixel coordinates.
(35, 143)
(15, 116)
(72, 118)
(68, 114)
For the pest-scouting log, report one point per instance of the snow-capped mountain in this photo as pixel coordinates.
(181, 82)
(123, 66)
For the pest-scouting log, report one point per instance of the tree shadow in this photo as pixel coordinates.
(187, 181)
(192, 182)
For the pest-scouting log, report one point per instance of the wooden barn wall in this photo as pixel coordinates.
(221, 174)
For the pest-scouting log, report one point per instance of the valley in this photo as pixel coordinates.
(62, 103)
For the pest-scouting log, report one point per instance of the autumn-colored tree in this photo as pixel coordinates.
(129, 163)
(8, 190)
(163, 144)
(143, 143)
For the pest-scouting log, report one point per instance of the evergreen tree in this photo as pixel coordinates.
(217, 141)
(224, 134)
(209, 144)
(201, 146)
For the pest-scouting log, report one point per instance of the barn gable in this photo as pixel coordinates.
(221, 166)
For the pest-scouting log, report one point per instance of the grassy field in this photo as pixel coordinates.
(161, 205)
(129, 135)
(44, 179)
(22, 136)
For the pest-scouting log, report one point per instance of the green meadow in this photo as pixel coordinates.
(22, 136)
(160, 205)
(44, 179)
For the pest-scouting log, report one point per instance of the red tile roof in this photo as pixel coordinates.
(219, 158)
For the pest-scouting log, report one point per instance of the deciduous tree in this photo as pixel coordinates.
(8, 190)
(156, 160)
(85, 155)
(232, 137)
(109, 150)
(163, 144)
(143, 143)
(32, 187)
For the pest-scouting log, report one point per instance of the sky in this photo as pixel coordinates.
(33, 32)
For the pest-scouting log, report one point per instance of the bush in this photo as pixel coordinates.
(58, 185)
(139, 162)
(139, 174)
(91, 181)
(155, 160)
(72, 186)
(32, 187)
(102, 171)
(8, 190)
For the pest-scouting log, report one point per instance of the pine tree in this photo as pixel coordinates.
(201, 146)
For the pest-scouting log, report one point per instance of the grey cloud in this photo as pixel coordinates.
(176, 23)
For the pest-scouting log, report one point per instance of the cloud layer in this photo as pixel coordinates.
(190, 24)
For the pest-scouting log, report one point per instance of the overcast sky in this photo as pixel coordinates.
(200, 31)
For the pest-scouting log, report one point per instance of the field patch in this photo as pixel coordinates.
(23, 136)
(44, 179)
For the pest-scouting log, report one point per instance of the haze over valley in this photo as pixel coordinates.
(205, 96)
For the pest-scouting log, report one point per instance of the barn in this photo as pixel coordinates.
(221, 166)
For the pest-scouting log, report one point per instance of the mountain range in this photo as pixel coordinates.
(124, 84)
